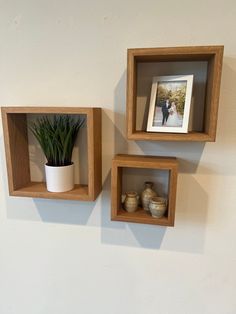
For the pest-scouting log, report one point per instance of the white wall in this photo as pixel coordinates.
(59, 257)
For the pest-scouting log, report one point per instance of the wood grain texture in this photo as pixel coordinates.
(180, 137)
(16, 148)
(49, 110)
(17, 153)
(185, 53)
(139, 161)
(131, 92)
(94, 153)
(39, 190)
(142, 217)
(213, 93)
(136, 161)
(213, 55)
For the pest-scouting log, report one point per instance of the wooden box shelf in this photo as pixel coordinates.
(15, 130)
(204, 62)
(123, 162)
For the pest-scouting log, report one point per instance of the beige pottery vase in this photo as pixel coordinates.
(131, 202)
(147, 194)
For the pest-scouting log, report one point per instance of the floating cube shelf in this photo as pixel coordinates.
(17, 153)
(204, 62)
(119, 163)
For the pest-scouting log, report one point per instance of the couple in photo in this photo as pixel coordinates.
(169, 114)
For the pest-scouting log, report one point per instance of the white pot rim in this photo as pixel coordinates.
(46, 165)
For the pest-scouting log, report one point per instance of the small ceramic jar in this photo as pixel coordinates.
(131, 202)
(147, 194)
(157, 206)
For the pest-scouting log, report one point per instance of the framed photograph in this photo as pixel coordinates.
(170, 104)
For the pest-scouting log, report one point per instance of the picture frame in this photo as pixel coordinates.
(170, 103)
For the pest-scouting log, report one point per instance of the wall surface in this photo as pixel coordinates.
(62, 257)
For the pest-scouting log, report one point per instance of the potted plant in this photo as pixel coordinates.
(56, 136)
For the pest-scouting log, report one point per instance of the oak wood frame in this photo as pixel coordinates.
(17, 153)
(214, 57)
(133, 161)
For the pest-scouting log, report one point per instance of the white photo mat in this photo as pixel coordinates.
(158, 118)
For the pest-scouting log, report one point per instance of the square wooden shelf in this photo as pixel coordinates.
(204, 62)
(121, 163)
(15, 130)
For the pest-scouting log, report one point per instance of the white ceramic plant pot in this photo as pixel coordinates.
(59, 179)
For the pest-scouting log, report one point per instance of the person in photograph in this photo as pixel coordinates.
(173, 119)
(165, 111)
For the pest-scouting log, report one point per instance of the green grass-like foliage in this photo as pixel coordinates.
(56, 137)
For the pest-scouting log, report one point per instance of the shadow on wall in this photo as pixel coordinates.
(66, 212)
(188, 235)
(113, 141)
(224, 148)
(119, 233)
(126, 234)
(188, 154)
(53, 211)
